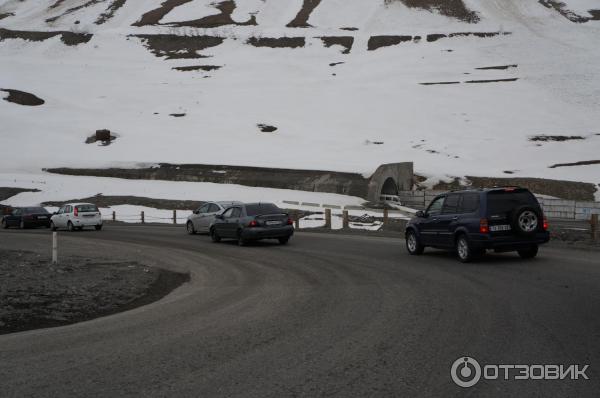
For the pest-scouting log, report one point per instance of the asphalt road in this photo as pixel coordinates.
(327, 315)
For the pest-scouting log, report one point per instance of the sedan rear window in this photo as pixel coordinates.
(34, 210)
(87, 208)
(500, 202)
(262, 209)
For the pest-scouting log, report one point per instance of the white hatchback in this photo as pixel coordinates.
(74, 216)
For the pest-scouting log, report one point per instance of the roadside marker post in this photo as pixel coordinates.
(594, 226)
(296, 220)
(174, 216)
(114, 215)
(346, 224)
(143, 220)
(54, 247)
(385, 217)
(328, 218)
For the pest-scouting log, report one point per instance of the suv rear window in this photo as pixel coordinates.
(499, 202)
(87, 208)
(262, 208)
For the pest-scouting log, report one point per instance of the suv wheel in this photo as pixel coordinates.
(465, 252)
(413, 245)
(214, 236)
(529, 252)
(4, 224)
(70, 226)
(284, 241)
(190, 228)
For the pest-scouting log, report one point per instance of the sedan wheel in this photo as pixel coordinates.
(22, 224)
(214, 236)
(4, 224)
(52, 226)
(190, 228)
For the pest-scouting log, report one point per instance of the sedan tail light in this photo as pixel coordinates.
(253, 223)
(546, 224)
(483, 226)
(290, 221)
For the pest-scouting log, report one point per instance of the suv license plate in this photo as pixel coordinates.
(42, 217)
(273, 223)
(495, 228)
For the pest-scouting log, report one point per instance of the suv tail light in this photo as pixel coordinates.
(290, 221)
(483, 226)
(253, 223)
(75, 211)
(546, 225)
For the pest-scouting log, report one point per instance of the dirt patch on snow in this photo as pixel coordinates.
(265, 128)
(179, 47)
(301, 19)
(376, 42)
(581, 163)
(450, 8)
(436, 83)
(37, 294)
(104, 137)
(345, 41)
(112, 8)
(214, 21)
(109, 201)
(154, 16)
(570, 15)
(512, 79)
(277, 42)
(206, 68)
(68, 38)
(557, 138)
(6, 15)
(500, 67)
(22, 97)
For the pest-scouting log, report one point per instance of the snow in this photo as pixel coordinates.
(323, 120)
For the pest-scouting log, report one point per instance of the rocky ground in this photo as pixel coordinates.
(35, 293)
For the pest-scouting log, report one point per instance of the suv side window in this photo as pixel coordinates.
(213, 208)
(469, 203)
(451, 204)
(435, 207)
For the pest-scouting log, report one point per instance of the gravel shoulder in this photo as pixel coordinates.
(37, 294)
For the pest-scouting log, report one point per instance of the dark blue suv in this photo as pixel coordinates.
(473, 221)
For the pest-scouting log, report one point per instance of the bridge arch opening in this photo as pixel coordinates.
(389, 187)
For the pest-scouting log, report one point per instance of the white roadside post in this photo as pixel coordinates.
(54, 247)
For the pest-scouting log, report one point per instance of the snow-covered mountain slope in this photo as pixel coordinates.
(515, 69)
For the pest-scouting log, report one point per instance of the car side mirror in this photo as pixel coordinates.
(196, 212)
(219, 216)
(55, 213)
(422, 214)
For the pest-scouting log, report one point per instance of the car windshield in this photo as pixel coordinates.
(260, 209)
(504, 201)
(87, 208)
(32, 210)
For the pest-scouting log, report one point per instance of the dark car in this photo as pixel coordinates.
(26, 217)
(251, 222)
(473, 221)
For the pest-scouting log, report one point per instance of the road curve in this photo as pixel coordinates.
(327, 315)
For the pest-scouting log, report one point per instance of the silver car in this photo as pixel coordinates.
(203, 218)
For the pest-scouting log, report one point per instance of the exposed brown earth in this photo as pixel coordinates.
(301, 19)
(110, 11)
(345, 41)
(68, 38)
(277, 42)
(105, 16)
(36, 294)
(265, 128)
(177, 114)
(179, 47)
(571, 190)
(206, 68)
(6, 15)
(435, 83)
(581, 163)
(108, 201)
(376, 42)
(349, 28)
(22, 97)
(213, 21)
(9, 192)
(450, 8)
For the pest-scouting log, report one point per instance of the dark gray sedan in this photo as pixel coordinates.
(251, 222)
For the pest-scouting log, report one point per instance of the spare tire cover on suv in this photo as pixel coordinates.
(525, 220)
